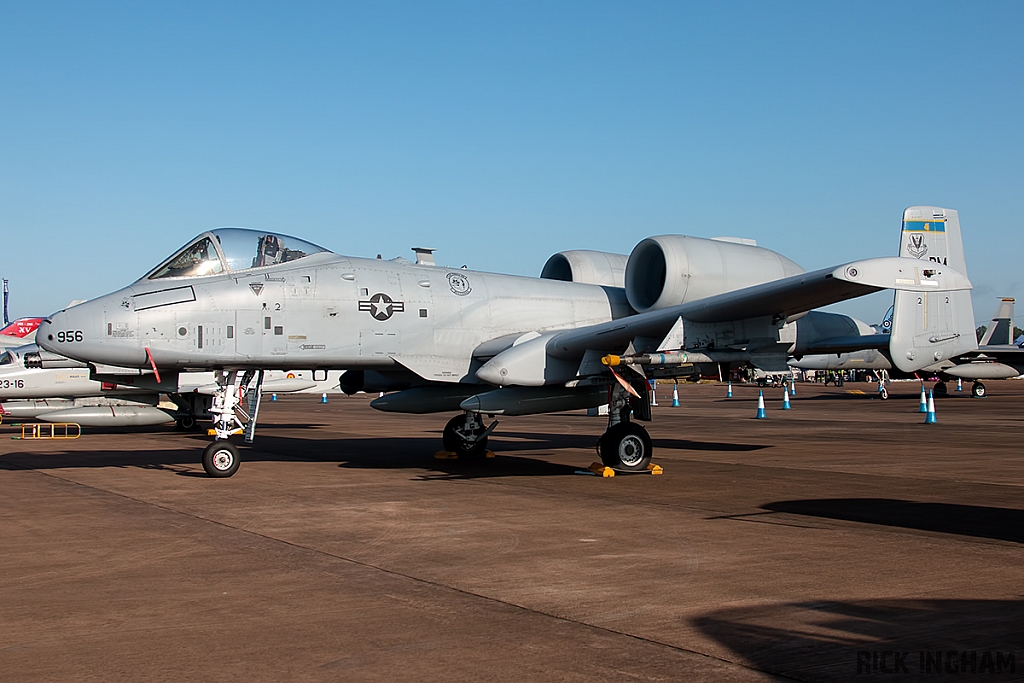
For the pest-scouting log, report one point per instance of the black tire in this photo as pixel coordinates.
(186, 422)
(453, 443)
(940, 390)
(978, 390)
(626, 446)
(220, 459)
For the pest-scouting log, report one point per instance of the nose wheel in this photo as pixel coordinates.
(220, 459)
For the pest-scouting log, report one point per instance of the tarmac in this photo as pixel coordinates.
(841, 540)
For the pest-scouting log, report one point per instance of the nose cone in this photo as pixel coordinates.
(81, 332)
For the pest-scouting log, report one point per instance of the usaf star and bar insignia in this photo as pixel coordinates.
(381, 306)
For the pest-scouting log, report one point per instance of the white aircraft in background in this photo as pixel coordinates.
(37, 384)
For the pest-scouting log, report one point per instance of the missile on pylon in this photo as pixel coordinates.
(666, 358)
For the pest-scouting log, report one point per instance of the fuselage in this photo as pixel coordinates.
(323, 311)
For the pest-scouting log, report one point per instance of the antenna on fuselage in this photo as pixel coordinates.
(424, 256)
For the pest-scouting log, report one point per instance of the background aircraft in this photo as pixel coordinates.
(37, 384)
(446, 340)
(19, 332)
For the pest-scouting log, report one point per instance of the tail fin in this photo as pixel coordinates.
(1000, 330)
(933, 326)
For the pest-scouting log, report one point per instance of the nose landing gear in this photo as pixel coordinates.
(220, 459)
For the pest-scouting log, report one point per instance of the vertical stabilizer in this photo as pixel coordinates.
(933, 326)
(1000, 330)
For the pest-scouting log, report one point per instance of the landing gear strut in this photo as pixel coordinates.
(220, 459)
(466, 436)
(625, 445)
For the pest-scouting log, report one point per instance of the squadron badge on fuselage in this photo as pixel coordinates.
(459, 284)
(381, 306)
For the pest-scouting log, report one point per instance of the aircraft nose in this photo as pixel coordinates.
(46, 332)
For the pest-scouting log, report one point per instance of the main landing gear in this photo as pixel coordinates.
(978, 389)
(220, 459)
(940, 389)
(466, 436)
(625, 445)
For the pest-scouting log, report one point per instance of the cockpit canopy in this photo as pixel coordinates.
(233, 249)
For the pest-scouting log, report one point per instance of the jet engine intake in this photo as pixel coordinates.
(587, 267)
(667, 270)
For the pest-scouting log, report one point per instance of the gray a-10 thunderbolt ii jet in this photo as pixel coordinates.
(439, 339)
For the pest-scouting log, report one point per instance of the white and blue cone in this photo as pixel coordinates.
(675, 395)
(785, 399)
(923, 408)
(323, 397)
(761, 415)
(929, 418)
(959, 384)
(728, 394)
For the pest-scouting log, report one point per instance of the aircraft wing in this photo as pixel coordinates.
(778, 298)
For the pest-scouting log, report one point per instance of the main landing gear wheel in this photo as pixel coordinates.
(460, 438)
(940, 390)
(186, 423)
(978, 390)
(625, 446)
(220, 459)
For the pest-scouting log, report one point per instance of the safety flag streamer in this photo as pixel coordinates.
(625, 385)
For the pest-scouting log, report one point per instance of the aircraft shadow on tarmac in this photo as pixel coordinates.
(828, 640)
(412, 453)
(1003, 524)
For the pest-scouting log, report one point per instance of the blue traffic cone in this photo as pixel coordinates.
(654, 391)
(728, 394)
(785, 399)
(760, 406)
(929, 418)
(273, 397)
(792, 388)
(675, 395)
(323, 397)
(923, 408)
(959, 384)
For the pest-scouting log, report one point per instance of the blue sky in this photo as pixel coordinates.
(502, 133)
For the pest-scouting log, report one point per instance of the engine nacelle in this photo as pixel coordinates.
(668, 270)
(587, 267)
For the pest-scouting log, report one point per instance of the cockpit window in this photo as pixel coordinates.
(241, 249)
(253, 249)
(7, 358)
(197, 259)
